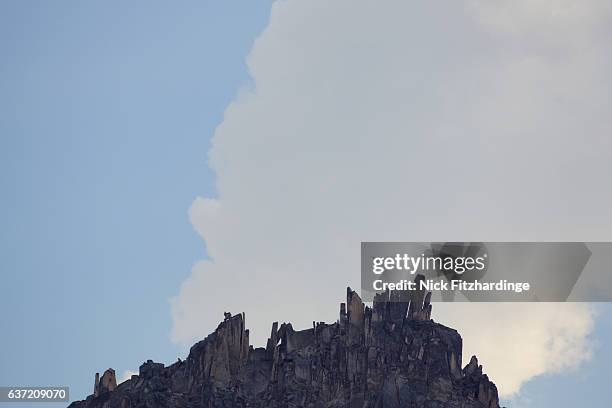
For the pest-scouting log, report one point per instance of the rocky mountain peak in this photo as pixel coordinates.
(389, 355)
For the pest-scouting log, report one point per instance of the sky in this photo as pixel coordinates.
(107, 109)
(283, 135)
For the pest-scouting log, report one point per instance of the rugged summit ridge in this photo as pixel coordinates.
(390, 355)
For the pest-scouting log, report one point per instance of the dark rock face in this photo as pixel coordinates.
(107, 383)
(390, 355)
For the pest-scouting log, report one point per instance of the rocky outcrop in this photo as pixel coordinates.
(389, 355)
(107, 383)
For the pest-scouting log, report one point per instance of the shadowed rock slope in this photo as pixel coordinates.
(390, 355)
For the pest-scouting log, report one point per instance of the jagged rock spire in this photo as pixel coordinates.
(107, 383)
(399, 305)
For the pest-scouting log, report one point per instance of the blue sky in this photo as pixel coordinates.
(107, 111)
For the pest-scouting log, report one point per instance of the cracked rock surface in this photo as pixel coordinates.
(389, 355)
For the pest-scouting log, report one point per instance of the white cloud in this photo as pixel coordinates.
(516, 342)
(406, 121)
